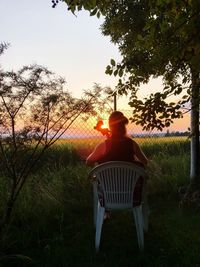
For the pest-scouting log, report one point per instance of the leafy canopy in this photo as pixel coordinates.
(155, 38)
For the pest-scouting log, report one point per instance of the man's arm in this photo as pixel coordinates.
(140, 156)
(97, 154)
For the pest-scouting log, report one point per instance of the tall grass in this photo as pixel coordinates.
(169, 166)
(52, 223)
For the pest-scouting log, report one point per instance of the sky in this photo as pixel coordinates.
(71, 46)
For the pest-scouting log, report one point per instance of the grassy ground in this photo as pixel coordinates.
(52, 224)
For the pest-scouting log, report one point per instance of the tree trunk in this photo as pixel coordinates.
(194, 159)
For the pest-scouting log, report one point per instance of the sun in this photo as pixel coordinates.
(105, 125)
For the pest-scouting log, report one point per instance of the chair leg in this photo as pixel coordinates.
(95, 209)
(145, 214)
(137, 212)
(95, 203)
(145, 209)
(99, 223)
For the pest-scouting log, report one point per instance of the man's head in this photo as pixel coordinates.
(117, 118)
(117, 124)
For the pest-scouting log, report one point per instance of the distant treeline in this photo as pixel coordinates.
(177, 133)
(167, 134)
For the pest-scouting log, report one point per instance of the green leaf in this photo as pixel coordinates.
(108, 68)
(109, 71)
(167, 124)
(112, 62)
(121, 72)
(72, 8)
(139, 37)
(98, 14)
(93, 12)
(178, 91)
(115, 72)
(185, 79)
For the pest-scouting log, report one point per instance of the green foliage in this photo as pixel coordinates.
(154, 110)
(155, 38)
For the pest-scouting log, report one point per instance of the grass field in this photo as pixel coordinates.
(85, 145)
(140, 140)
(52, 223)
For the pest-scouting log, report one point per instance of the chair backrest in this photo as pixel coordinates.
(116, 183)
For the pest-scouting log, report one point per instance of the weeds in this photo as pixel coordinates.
(52, 223)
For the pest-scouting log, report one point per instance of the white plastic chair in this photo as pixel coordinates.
(114, 185)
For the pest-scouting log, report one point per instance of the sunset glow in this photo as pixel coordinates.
(57, 46)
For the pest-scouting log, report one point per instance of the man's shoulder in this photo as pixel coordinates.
(129, 139)
(101, 146)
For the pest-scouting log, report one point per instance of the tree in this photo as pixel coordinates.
(35, 111)
(161, 40)
(155, 38)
